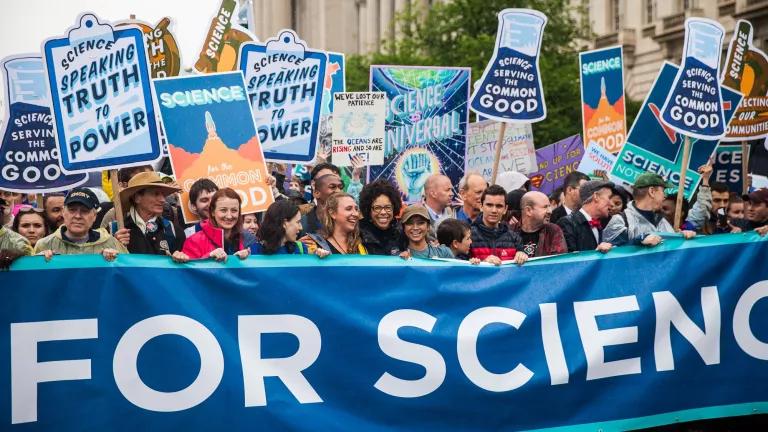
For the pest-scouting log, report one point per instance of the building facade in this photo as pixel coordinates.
(652, 31)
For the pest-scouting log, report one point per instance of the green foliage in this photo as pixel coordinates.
(463, 33)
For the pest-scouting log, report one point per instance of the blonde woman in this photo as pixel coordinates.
(341, 231)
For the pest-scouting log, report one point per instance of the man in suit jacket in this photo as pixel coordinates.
(582, 229)
(571, 197)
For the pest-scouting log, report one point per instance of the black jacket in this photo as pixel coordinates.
(557, 214)
(578, 233)
(378, 241)
(501, 241)
(166, 237)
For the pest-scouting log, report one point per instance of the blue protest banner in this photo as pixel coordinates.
(30, 158)
(376, 343)
(655, 147)
(602, 98)
(102, 98)
(510, 89)
(426, 126)
(285, 83)
(695, 104)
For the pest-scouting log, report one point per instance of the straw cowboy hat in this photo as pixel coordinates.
(142, 181)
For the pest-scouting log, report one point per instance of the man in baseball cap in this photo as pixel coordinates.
(756, 212)
(75, 236)
(642, 220)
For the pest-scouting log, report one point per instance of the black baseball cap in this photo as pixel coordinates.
(82, 195)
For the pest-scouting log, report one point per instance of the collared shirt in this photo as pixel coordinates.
(436, 217)
(595, 232)
(569, 211)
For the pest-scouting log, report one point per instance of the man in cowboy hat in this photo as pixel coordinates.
(150, 232)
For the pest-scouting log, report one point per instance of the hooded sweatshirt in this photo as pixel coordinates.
(97, 241)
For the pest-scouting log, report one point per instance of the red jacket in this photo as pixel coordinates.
(202, 243)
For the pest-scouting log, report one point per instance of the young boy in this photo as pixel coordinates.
(456, 235)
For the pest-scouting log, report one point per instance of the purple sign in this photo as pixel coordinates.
(556, 161)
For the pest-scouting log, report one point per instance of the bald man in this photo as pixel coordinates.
(471, 188)
(438, 192)
(540, 237)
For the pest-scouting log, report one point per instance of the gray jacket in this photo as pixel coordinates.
(636, 228)
(699, 214)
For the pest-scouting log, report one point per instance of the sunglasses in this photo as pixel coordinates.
(26, 208)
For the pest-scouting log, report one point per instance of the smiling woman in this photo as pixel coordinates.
(341, 232)
(220, 235)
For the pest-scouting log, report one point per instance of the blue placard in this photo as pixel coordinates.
(426, 125)
(695, 103)
(653, 146)
(727, 168)
(510, 89)
(30, 158)
(285, 83)
(102, 98)
(580, 342)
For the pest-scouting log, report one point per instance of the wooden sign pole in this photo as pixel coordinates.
(681, 186)
(497, 155)
(116, 199)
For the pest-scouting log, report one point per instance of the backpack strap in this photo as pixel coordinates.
(624, 218)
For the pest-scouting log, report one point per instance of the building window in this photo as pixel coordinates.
(649, 12)
(688, 4)
(614, 15)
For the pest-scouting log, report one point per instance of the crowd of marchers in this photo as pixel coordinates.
(493, 223)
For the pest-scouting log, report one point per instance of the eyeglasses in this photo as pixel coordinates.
(382, 209)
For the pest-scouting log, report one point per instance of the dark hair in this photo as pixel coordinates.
(271, 230)
(200, 185)
(623, 195)
(322, 166)
(573, 179)
(494, 190)
(52, 195)
(373, 190)
(686, 205)
(450, 230)
(28, 211)
(555, 195)
(124, 174)
(228, 193)
(719, 187)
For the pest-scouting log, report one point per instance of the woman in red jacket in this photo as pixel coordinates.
(220, 235)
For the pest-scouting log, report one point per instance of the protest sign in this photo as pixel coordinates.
(556, 161)
(597, 161)
(102, 101)
(285, 86)
(221, 46)
(727, 168)
(426, 125)
(694, 106)
(30, 158)
(602, 98)
(746, 70)
(211, 134)
(517, 153)
(510, 89)
(358, 128)
(146, 344)
(334, 83)
(162, 51)
(654, 147)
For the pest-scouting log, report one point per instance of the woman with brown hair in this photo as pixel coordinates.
(341, 232)
(220, 235)
(30, 223)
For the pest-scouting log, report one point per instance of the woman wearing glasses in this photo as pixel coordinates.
(30, 223)
(379, 205)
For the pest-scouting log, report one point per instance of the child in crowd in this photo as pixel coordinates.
(456, 235)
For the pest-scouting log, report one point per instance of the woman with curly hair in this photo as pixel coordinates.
(380, 232)
(340, 233)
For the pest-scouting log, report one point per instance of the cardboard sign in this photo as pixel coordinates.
(358, 128)
(517, 152)
(556, 161)
(727, 167)
(426, 125)
(694, 106)
(602, 98)
(211, 134)
(28, 153)
(746, 69)
(102, 100)
(597, 161)
(653, 146)
(285, 86)
(510, 89)
(221, 47)
(162, 50)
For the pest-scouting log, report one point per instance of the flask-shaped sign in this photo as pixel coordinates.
(695, 104)
(510, 89)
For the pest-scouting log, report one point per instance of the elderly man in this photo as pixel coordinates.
(539, 237)
(582, 228)
(150, 233)
(75, 236)
(471, 188)
(642, 219)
